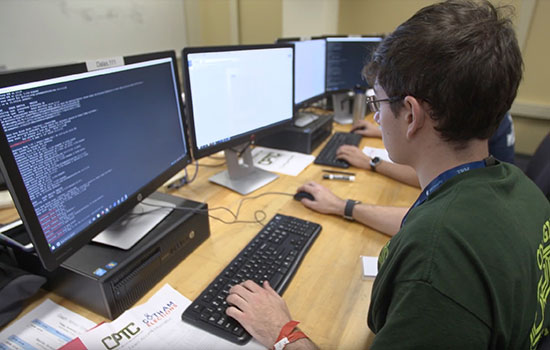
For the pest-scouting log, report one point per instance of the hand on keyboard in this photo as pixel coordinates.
(273, 255)
(354, 156)
(260, 310)
(327, 156)
(366, 128)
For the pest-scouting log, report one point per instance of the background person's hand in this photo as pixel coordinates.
(366, 128)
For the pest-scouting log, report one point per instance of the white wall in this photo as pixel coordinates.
(39, 33)
(305, 18)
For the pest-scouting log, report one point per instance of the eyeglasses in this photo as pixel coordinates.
(374, 105)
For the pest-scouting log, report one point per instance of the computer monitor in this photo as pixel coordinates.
(82, 144)
(345, 59)
(234, 94)
(309, 70)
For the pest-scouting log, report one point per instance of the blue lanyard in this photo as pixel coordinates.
(441, 179)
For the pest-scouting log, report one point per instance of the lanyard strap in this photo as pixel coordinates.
(444, 177)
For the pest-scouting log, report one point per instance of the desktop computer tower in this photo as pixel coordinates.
(108, 280)
(303, 140)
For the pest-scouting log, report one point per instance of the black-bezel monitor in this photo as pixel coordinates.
(309, 70)
(343, 70)
(80, 146)
(263, 90)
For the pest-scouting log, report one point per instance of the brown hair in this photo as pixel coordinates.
(461, 57)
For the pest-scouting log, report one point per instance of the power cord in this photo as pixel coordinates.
(259, 215)
(185, 179)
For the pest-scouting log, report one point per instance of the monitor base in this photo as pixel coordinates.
(257, 178)
(242, 177)
(134, 225)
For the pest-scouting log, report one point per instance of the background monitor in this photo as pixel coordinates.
(346, 57)
(81, 147)
(233, 95)
(309, 69)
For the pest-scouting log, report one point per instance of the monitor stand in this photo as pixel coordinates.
(242, 178)
(342, 103)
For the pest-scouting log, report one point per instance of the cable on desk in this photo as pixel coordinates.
(185, 179)
(259, 215)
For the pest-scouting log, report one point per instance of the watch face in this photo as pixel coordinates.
(374, 162)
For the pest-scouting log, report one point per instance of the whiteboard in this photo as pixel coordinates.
(38, 33)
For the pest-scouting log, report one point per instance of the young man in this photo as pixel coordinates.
(469, 266)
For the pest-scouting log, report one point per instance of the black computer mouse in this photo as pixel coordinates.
(303, 194)
(362, 127)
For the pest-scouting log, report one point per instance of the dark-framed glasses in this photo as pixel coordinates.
(374, 104)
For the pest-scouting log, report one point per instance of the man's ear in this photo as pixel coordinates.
(415, 115)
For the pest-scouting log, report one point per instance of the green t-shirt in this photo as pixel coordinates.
(469, 269)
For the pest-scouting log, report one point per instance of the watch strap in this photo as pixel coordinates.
(348, 209)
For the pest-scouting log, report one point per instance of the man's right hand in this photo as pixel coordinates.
(325, 201)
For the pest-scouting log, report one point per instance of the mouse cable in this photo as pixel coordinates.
(259, 215)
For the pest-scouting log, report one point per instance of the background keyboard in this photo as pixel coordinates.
(327, 156)
(273, 255)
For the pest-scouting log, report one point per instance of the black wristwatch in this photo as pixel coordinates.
(348, 210)
(374, 163)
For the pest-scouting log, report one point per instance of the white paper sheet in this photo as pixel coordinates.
(280, 161)
(377, 152)
(47, 326)
(156, 325)
(370, 266)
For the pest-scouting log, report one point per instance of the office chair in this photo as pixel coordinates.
(538, 168)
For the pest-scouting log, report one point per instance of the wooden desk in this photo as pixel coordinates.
(327, 294)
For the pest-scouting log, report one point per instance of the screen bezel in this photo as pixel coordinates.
(236, 140)
(52, 259)
(358, 37)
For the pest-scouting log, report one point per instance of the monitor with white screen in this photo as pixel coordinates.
(82, 144)
(233, 95)
(309, 68)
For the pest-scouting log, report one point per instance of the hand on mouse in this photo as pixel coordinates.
(325, 201)
(366, 128)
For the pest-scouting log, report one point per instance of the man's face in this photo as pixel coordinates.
(392, 126)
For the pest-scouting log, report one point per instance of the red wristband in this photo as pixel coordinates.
(287, 335)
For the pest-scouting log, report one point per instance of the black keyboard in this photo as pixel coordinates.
(273, 255)
(327, 156)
